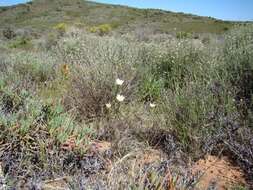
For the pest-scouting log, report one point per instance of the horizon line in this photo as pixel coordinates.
(147, 8)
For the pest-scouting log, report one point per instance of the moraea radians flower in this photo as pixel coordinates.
(152, 105)
(120, 98)
(108, 106)
(119, 82)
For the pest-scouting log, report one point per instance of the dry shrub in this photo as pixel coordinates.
(95, 64)
(88, 96)
(92, 88)
(9, 33)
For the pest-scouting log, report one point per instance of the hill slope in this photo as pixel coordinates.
(44, 14)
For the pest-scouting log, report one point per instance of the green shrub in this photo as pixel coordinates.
(49, 41)
(225, 28)
(61, 28)
(183, 35)
(206, 40)
(180, 67)
(24, 113)
(36, 68)
(9, 33)
(239, 187)
(101, 29)
(21, 42)
(237, 67)
(188, 111)
(150, 88)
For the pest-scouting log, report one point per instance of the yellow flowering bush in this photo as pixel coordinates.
(101, 29)
(61, 28)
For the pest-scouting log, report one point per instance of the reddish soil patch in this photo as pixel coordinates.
(218, 172)
(100, 146)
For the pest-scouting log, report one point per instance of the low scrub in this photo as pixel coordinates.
(178, 97)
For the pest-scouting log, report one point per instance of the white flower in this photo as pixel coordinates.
(108, 106)
(152, 105)
(120, 98)
(119, 82)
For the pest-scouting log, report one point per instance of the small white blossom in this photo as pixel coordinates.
(120, 98)
(152, 105)
(119, 82)
(108, 106)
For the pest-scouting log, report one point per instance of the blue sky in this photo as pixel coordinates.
(11, 2)
(222, 9)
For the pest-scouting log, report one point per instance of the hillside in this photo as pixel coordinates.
(44, 14)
